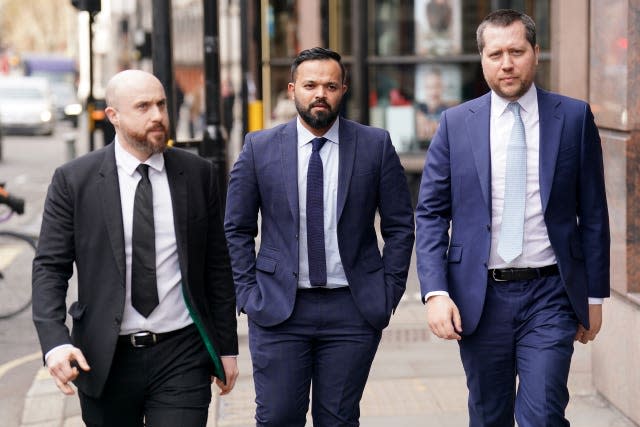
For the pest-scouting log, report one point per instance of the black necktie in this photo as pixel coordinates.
(315, 217)
(144, 289)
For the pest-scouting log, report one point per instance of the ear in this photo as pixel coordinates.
(112, 115)
(290, 89)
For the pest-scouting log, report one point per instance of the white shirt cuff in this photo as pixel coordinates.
(596, 301)
(46, 356)
(434, 293)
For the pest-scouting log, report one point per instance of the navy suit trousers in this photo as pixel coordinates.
(527, 331)
(326, 344)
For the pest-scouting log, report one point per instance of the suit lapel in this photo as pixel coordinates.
(179, 199)
(551, 122)
(478, 135)
(347, 150)
(112, 208)
(289, 154)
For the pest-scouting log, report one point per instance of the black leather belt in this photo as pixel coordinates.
(144, 339)
(514, 274)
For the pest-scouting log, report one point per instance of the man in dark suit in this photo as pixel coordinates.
(517, 177)
(318, 293)
(132, 214)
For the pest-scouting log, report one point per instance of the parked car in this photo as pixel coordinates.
(26, 105)
(66, 102)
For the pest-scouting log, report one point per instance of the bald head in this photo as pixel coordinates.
(129, 82)
(137, 108)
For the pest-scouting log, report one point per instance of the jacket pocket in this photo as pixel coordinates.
(267, 260)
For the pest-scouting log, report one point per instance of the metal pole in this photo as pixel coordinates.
(162, 56)
(213, 142)
(91, 102)
(244, 61)
(359, 80)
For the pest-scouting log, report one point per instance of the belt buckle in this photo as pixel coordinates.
(134, 342)
(493, 276)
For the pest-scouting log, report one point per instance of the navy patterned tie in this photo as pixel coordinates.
(515, 189)
(144, 288)
(315, 217)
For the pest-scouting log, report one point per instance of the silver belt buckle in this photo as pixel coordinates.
(133, 337)
(493, 276)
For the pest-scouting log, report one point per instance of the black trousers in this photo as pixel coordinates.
(165, 385)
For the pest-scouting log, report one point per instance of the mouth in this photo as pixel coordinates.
(321, 105)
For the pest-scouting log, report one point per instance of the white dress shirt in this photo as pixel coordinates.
(171, 313)
(329, 153)
(536, 248)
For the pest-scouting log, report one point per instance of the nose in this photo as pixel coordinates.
(507, 61)
(320, 92)
(157, 113)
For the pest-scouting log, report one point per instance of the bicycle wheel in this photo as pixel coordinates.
(16, 255)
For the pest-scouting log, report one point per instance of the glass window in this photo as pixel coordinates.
(281, 28)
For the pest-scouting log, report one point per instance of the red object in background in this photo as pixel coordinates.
(4, 64)
(397, 98)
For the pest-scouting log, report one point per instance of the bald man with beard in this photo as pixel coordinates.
(133, 365)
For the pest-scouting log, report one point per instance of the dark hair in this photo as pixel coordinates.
(314, 54)
(504, 18)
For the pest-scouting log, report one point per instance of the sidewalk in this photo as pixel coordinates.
(416, 380)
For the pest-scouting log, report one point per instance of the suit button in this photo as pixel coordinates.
(295, 274)
(488, 227)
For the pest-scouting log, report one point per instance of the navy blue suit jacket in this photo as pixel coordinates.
(456, 192)
(370, 179)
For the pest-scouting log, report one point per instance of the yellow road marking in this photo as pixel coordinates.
(6, 367)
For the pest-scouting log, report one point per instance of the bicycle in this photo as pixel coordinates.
(16, 255)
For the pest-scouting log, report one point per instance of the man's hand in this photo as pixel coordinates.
(62, 368)
(595, 321)
(443, 317)
(230, 366)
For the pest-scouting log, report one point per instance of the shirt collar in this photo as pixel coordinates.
(305, 137)
(528, 102)
(128, 162)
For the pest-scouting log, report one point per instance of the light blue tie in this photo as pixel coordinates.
(515, 189)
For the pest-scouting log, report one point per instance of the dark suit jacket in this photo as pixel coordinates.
(370, 179)
(82, 223)
(456, 187)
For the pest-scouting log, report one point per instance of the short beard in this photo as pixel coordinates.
(322, 120)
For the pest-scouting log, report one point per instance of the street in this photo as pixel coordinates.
(26, 169)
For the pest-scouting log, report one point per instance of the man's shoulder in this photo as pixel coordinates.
(271, 133)
(347, 125)
(470, 106)
(90, 161)
(559, 99)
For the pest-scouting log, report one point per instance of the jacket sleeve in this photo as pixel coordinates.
(241, 223)
(396, 221)
(433, 214)
(53, 265)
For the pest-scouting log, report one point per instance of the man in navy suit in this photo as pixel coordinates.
(525, 268)
(318, 292)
